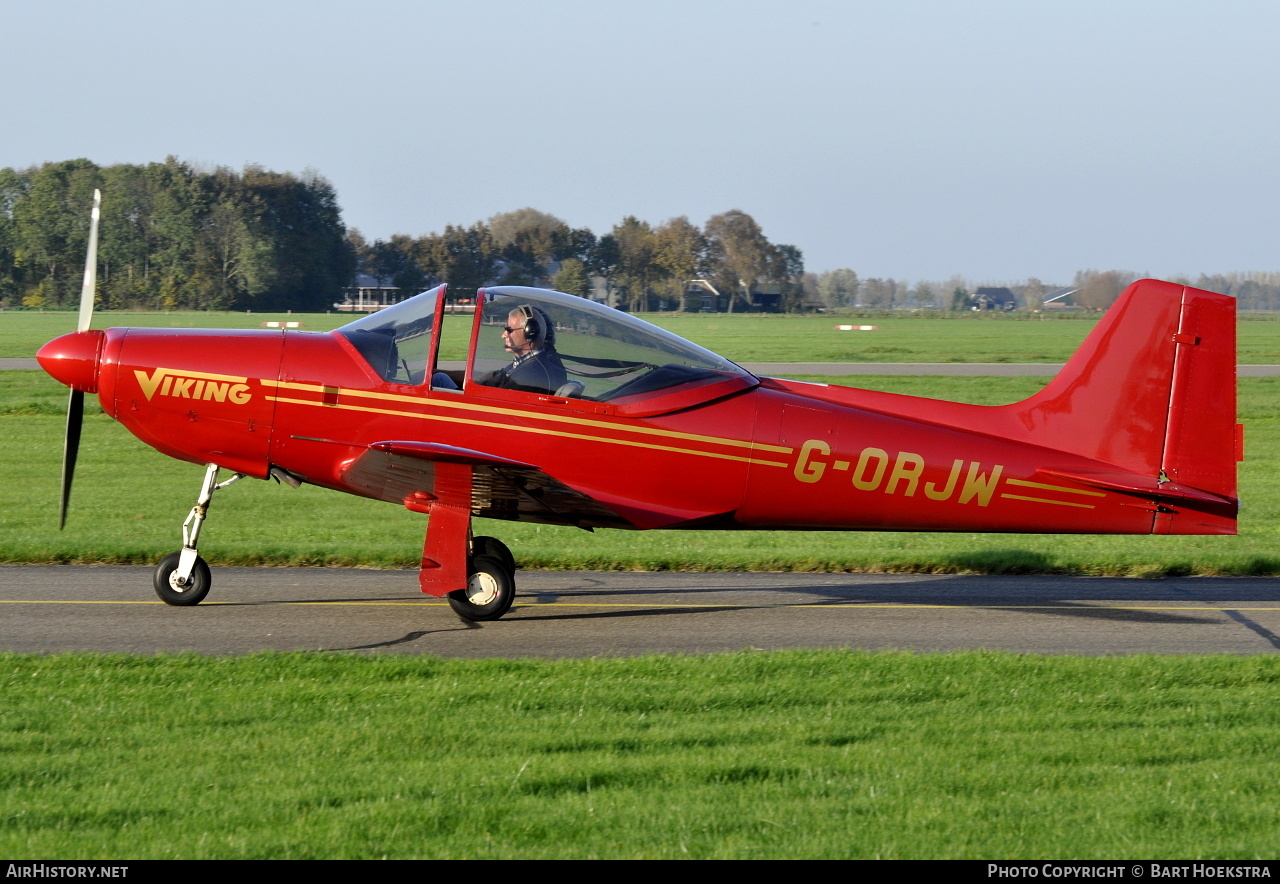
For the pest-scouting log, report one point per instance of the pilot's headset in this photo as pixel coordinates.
(537, 326)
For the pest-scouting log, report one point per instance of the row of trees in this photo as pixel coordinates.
(642, 266)
(842, 289)
(173, 237)
(1252, 291)
(1089, 289)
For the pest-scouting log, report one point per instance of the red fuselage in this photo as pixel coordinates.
(780, 454)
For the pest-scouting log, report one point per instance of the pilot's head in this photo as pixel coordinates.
(527, 329)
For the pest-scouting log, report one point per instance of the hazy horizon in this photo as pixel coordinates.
(992, 140)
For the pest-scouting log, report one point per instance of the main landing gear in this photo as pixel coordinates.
(182, 578)
(491, 581)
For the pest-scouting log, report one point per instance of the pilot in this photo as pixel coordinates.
(530, 337)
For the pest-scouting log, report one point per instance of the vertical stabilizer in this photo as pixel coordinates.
(1110, 402)
(1152, 391)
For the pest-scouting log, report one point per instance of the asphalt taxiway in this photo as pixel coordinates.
(52, 608)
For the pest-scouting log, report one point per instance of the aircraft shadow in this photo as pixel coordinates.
(1060, 609)
(408, 637)
(1035, 593)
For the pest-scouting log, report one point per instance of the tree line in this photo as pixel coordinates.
(1090, 290)
(177, 237)
(172, 236)
(638, 265)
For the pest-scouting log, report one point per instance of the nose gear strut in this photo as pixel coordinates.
(182, 578)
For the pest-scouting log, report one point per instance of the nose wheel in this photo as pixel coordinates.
(176, 591)
(182, 578)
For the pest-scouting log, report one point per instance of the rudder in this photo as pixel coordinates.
(1203, 441)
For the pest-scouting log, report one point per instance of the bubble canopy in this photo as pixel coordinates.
(608, 356)
(613, 356)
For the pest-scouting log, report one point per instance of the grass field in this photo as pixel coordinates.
(740, 337)
(129, 502)
(815, 754)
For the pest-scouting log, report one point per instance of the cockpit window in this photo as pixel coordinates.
(548, 342)
(396, 341)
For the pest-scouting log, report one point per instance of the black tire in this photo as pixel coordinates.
(489, 593)
(172, 594)
(494, 549)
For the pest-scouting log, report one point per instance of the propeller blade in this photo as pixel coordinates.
(75, 417)
(90, 266)
(75, 405)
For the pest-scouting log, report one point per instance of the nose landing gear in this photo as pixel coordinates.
(176, 591)
(182, 578)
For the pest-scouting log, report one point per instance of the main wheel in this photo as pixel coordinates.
(489, 593)
(171, 591)
(494, 549)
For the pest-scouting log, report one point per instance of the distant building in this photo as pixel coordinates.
(367, 294)
(1062, 299)
(700, 296)
(993, 298)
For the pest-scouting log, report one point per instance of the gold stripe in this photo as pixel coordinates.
(538, 431)
(206, 375)
(1087, 506)
(1053, 487)
(555, 418)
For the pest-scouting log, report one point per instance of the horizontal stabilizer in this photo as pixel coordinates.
(1142, 486)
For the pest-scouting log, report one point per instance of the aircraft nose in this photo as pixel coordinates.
(73, 359)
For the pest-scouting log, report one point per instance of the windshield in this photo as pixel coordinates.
(396, 341)
(548, 342)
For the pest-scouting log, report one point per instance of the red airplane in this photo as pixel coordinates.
(571, 413)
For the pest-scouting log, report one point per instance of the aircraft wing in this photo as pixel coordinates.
(414, 473)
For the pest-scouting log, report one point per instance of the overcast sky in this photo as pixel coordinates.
(996, 139)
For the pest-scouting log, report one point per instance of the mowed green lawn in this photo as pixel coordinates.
(942, 337)
(795, 754)
(799, 754)
(129, 502)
